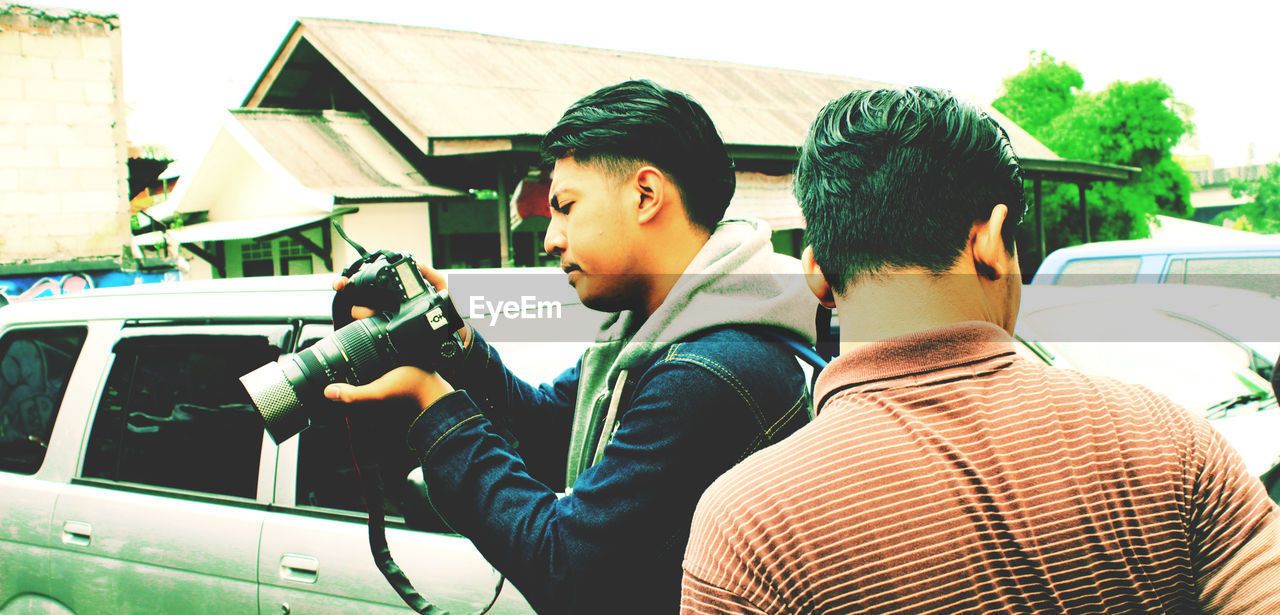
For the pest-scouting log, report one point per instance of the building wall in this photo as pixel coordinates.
(399, 227)
(63, 152)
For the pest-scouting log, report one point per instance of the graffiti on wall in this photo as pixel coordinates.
(27, 288)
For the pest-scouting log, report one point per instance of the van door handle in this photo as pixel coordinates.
(299, 568)
(77, 533)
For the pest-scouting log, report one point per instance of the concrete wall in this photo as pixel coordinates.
(63, 150)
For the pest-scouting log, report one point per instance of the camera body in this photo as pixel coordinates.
(414, 324)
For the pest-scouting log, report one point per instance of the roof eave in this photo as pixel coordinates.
(273, 68)
(1076, 170)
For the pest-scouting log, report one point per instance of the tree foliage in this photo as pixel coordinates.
(1040, 93)
(1262, 215)
(1133, 124)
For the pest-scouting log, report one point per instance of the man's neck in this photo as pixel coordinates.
(907, 301)
(670, 258)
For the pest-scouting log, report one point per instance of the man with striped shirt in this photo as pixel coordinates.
(944, 474)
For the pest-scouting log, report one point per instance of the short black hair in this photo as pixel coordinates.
(897, 177)
(640, 121)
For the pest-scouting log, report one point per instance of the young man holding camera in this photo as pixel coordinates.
(944, 473)
(680, 385)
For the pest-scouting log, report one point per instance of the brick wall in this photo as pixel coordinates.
(63, 149)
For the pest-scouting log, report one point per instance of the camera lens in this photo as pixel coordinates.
(272, 395)
(357, 354)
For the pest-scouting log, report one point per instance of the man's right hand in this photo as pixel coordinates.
(432, 276)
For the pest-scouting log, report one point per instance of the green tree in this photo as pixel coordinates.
(1127, 123)
(1262, 215)
(1040, 93)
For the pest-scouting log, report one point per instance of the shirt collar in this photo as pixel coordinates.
(913, 353)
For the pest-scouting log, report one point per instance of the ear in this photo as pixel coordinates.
(986, 245)
(815, 279)
(654, 191)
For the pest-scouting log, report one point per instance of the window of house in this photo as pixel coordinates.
(35, 365)
(173, 413)
(257, 259)
(294, 258)
(260, 258)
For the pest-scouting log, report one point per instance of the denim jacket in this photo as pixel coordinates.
(614, 543)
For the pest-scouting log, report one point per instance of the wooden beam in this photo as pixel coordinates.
(1040, 218)
(1084, 209)
(505, 258)
(327, 257)
(213, 259)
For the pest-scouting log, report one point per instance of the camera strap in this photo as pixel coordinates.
(369, 472)
(372, 484)
(371, 488)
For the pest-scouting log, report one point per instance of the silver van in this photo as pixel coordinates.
(1252, 263)
(135, 477)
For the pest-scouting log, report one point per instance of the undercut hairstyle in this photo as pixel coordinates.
(897, 177)
(640, 122)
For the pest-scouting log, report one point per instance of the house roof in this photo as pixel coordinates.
(437, 84)
(335, 153)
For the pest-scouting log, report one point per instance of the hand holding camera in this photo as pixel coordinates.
(410, 329)
(432, 277)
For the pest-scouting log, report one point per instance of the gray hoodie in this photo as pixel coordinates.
(736, 278)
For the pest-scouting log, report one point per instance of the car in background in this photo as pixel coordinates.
(136, 477)
(1210, 349)
(1252, 263)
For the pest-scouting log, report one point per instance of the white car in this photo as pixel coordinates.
(135, 476)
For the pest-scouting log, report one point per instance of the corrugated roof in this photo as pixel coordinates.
(335, 153)
(442, 83)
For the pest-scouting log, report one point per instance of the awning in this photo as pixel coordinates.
(250, 228)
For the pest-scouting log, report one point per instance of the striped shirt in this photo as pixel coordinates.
(945, 474)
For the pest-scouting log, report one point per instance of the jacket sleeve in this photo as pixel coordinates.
(620, 532)
(536, 419)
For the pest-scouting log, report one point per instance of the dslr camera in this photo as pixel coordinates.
(414, 325)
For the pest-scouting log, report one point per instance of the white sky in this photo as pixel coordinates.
(186, 62)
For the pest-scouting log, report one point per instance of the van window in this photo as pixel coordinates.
(173, 414)
(1091, 271)
(35, 365)
(1261, 273)
(1177, 273)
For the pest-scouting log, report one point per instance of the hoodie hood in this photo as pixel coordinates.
(735, 279)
